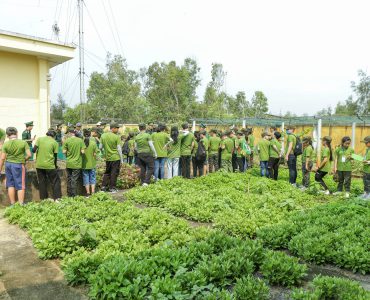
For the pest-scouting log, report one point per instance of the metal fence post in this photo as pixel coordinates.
(353, 135)
(244, 123)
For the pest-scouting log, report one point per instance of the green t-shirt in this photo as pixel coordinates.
(307, 153)
(186, 142)
(195, 149)
(110, 142)
(174, 149)
(367, 158)
(89, 157)
(131, 146)
(226, 153)
(160, 139)
(325, 152)
(214, 145)
(239, 146)
(73, 146)
(291, 138)
(205, 142)
(15, 151)
(251, 141)
(272, 152)
(46, 148)
(263, 149)
(142, 142)
(343, 158)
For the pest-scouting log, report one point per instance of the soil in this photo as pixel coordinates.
(23, 276)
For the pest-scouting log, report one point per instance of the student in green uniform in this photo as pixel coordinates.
(111, 143)
(274, 155)
(46, 149)
(233, 136)
(187, 145)
(160, 139)
(227, 148)
(214, 145)
(173, 153)
(27, 136)
(263, 149)
(324, 166)
(89, 163)
(194, 153)
(146, 154)
(240, 155)
(290, 158)
(307, 163)
(366, 163)
(251, 145)
(14, 154)
(205, 141)
(73, 147)
(343, 165)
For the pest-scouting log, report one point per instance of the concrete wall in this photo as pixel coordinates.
(24, 92)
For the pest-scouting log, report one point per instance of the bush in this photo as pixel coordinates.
(250, 288)
(279, 268)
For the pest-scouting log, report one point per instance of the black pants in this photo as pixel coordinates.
(367, 182)
(145, 161)
(73, 175)
(129, 159)
(319, 178)
(111, 173)
(274, 167)
(292, 165)
(344, 178)
(185, 166)
(240, 164)
(198, 167)
(54, 179)
(234, 162)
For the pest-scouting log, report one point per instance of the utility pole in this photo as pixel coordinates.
(81, 47)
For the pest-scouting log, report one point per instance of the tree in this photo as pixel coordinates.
(58, 109)
(349, 107)
(171, 89)
(325, 112)
(362, 92)
(259, 105)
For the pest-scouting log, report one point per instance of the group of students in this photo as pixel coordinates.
(179, 151)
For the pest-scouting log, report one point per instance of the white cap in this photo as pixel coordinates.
(98, 124)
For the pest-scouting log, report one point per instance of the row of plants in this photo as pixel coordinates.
(128, 176)
(336, 233)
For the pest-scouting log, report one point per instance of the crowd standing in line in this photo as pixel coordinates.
(152, 149)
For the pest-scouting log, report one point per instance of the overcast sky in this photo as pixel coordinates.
(301, 54)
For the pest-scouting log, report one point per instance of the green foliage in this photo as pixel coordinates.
(333, 233)
(279, 268)
(325, 287)
(251, 288)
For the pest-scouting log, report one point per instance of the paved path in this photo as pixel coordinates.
(23, 276)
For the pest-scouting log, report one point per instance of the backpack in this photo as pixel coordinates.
(201, 154)
(298, 149)
(126, 148)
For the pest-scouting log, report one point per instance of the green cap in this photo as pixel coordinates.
(327, 138)
(306, 139)
(29, 123)
(114, 125)
(366, 139)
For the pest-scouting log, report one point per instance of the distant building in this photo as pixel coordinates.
(25, 62)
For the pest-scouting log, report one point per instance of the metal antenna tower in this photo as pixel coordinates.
(81, 48)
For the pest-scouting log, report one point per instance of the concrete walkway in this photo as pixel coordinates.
(23, 276)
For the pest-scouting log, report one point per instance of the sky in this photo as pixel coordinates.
(301, 54)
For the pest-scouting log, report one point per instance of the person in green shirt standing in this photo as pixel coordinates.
(27, 136)
(14, 154)
(227, 148)
(194, 153)
(275, 155)
(89, 162)
(160, 139)
(324, 166)
(343, 165)
(307, 163)
(187, 145)
(173, 153)
(366, 195)
(249, 133)
(214, 145)
(110, 142)
(73, 148)
(240, 156)
(46, 149)
(263, 149)
(290, 158)
(146, 154)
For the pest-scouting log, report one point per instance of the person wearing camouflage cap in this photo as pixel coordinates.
(214, 145)
(307, 157)
(366, 195)
(227, 148)
(27, 136)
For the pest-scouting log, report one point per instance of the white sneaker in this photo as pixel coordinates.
(346, 195)
(145, 184)
(327, 192)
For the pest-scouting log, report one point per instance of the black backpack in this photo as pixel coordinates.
(298, 150)
(126, 148)
(201, 154)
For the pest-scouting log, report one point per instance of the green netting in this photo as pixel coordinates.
(297, 121)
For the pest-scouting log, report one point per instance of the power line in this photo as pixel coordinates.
(110, 27)
(116, 27)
